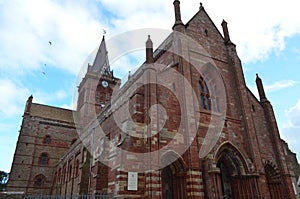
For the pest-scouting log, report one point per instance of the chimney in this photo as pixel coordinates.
(149, 51)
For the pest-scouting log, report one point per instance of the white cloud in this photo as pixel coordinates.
(27, 26)
(257, 27)
(46, 97)
(12, 102)
(75, 27)
(279, 85)
(12, 98)
(293, 116)
(291, 130)
(274, 87)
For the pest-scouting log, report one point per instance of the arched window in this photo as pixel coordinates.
(39, 180)
(47, 139)
(44, 159)
(209, 95)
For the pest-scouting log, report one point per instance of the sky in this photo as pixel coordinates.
(267, 35)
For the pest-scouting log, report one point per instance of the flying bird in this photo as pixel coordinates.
(50, 43)
(43, 72)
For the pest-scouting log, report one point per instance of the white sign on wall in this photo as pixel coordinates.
(132, 181)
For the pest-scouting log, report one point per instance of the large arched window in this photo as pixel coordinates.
(44, 159)
(209, 97)
(39, 180)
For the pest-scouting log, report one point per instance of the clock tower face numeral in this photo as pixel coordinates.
(104, 83)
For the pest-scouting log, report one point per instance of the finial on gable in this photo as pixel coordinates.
(178, 21)
(149, 51)
(225, 32)
(28, 104)
(201, 6)
(260, 89)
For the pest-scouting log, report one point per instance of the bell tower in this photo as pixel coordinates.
(96, 88)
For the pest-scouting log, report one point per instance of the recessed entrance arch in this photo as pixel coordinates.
(235, 182)
(274, 181)
(173, 178)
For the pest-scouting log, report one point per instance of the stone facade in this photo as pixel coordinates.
(294, 168)
(46, 134)
(189, 129)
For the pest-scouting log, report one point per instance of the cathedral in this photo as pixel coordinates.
(184, 125)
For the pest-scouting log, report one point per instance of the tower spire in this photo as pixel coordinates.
(101, 62)
(260, 89)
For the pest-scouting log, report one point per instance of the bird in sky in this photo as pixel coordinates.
(43, 72)
(50, 43)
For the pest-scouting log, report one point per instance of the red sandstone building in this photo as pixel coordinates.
(184, 125)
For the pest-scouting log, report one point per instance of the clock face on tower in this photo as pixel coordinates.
(104, 83)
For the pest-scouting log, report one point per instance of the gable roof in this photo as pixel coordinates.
(200, 11)
(52, 113)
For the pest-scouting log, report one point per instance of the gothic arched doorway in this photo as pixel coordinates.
(234, 183)
(274, 181)
(173, 181)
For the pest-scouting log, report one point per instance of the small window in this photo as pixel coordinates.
(206, 32)
(39, 180)
(47, 139)
(253, 108)
(44, 159)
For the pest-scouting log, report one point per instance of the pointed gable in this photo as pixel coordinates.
(203, 30)
(203, 19)
(101, 63)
